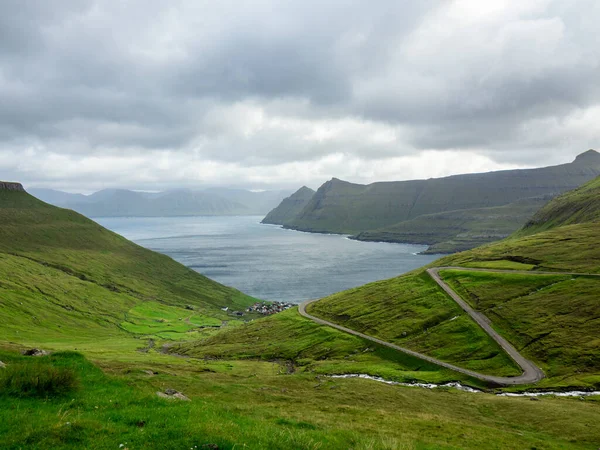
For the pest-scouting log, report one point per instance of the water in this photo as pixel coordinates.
(452, 384)
(266, 261)
(461, 387)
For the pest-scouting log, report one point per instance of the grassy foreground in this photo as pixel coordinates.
(255, 405)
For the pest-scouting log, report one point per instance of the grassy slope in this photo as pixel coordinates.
(558, 330)
(308, 347)
(253, 405)
(62, 273)
(579, 206)
(570, 248)
(455, 231)
(407, 304)
(412, 311)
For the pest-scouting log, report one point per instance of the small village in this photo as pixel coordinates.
(269, 308)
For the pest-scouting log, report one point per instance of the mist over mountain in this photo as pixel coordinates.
(177, 202)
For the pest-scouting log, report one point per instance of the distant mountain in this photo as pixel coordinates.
(368, 210)
(56, 197)
(260, 202)
(290, 207)
(179, 202)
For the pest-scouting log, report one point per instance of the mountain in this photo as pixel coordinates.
(456, 231)
(65, 277)
(342, 207)
(178, 202)
(55, 197)
(257, 202)
(289, 207)
(171, 203)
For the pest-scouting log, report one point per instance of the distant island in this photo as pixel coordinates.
(448, 214)
(177, 202)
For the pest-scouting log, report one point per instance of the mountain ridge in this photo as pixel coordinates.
(289, 206)
(175, 202)
(366, 211)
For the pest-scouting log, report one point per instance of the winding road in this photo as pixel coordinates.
(531, 373)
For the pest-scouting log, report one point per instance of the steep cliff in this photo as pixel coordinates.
(290, 207)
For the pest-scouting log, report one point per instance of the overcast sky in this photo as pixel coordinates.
(150, 94)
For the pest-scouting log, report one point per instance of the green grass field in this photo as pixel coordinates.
(542, 318)
(412, 311)
(250, 404)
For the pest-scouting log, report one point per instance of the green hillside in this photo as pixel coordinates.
(342, 207)
(553, 320)
(68, 284)
(290, 207)
(61, 273)
(579, 206)
(455, 231)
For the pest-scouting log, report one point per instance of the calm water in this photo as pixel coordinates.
(266, 261)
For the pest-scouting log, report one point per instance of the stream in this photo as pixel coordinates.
(460, 387)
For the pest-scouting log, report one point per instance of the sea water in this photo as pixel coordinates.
(267, 261)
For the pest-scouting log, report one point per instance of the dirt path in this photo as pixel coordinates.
(531, 373)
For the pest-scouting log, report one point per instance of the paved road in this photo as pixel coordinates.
(531, 373)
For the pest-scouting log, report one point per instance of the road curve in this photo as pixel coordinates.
(531, 373)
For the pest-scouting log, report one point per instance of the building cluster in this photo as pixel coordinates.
(269, 308)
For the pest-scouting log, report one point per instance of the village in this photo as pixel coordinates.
(269, 308)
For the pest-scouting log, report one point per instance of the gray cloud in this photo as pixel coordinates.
(192, 92)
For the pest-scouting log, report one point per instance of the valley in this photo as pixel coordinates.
(129, 323)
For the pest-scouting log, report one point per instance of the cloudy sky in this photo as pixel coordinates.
(148, 94)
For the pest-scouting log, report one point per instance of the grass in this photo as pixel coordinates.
(540, 315)
(412, 311)
(68, 284)
(501, 264)
(571, 248)
(154, 319)
(34, 379)
(79, 248)
(578, 206)
(252, 404)
(307, 347)
(65, 278)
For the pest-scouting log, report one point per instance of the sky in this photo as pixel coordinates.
(269, 94)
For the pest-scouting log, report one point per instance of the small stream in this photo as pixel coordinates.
(460, 387)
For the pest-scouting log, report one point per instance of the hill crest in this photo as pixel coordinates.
(11, 186)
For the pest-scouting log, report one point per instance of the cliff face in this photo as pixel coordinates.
(341, 207)
(290, 207)
(9, 186)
